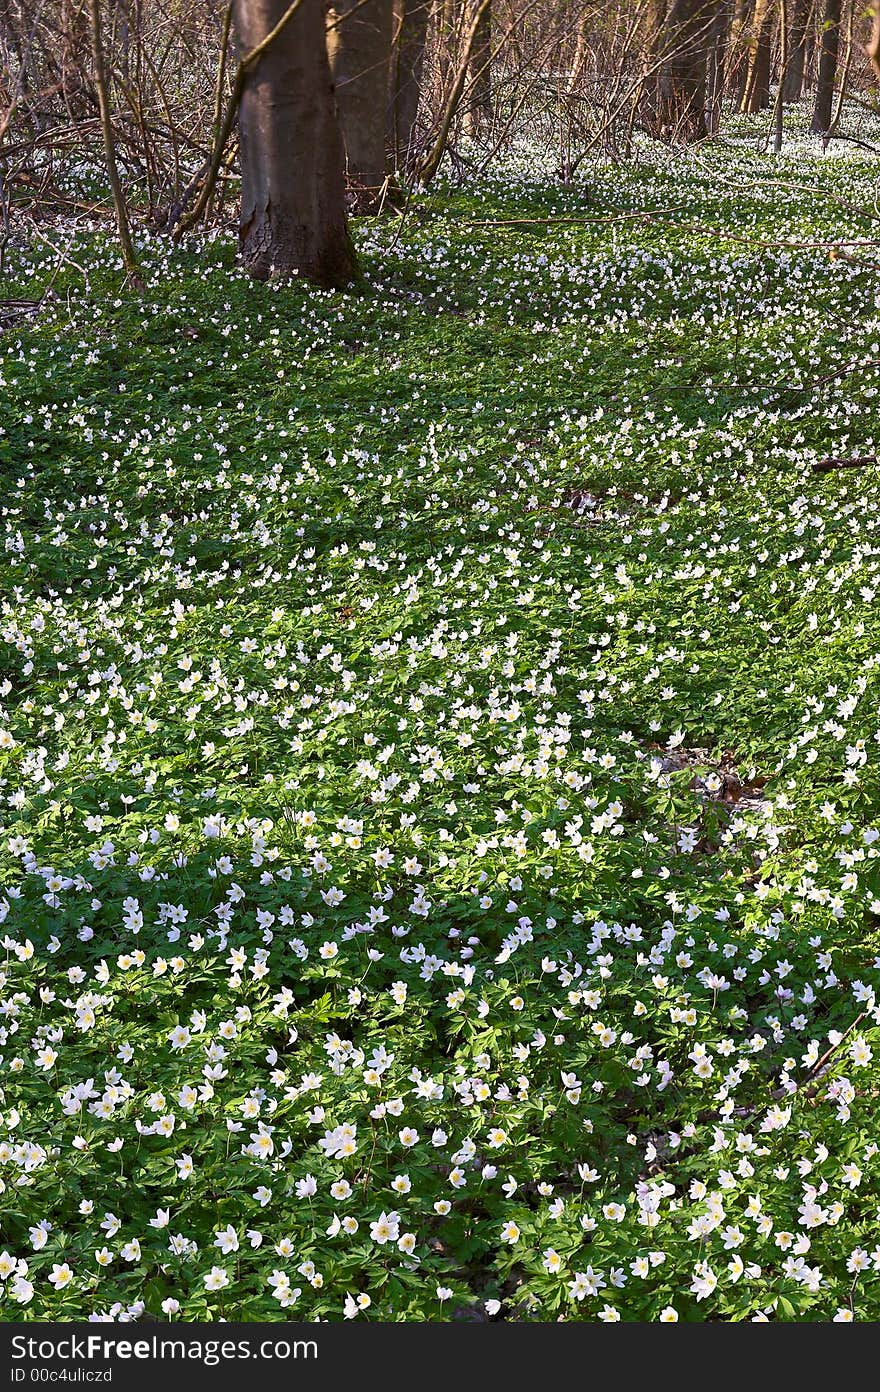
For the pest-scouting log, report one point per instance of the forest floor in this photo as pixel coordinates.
(439, 762)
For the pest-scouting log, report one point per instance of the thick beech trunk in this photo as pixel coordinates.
(359, 41)
(444, 43)
(756, 96)
(873, 46)
(411, 19)
(799, 12)
(292, 187)
(681, 88)
(827, 74)
(479, 105)
(650, 46)
(738, 50)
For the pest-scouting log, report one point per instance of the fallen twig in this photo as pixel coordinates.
(860, 461)
(816, 1070)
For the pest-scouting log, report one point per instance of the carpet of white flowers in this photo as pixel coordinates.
(440, 764)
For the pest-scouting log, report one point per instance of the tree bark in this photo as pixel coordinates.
(809, 57)
(682, 77)
(72, 46)
(412, 18)
(716, 64)
(873, 46)
(449, 21)
(359, 41)
(292, 184)
(756, 96)
(797, 50)
(830, 44)
(738, 50)
(479, 107)
(784, 54)
(650, 45)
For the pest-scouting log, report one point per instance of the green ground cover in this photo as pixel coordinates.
(439, 763)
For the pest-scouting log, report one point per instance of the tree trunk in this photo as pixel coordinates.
(756, 96)
(449, 21)
(715, 64)
(412, 18)
(292, 185)
(479, 107)
(873, 46)
(784, 52)
(359, 37)
(682, 76)
(738, 51)
(654, 18)
(809, 58)
(122, 226)
(830, 43)
(651, 46)
(72, 43)
(797, 48)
